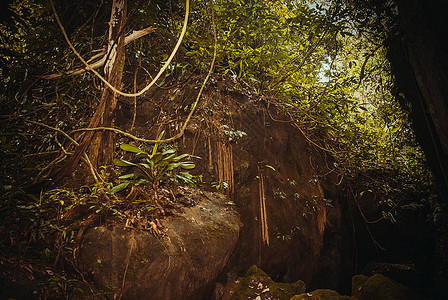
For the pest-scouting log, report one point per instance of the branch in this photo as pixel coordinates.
(173, 53)
(92, 170)
(136, 34)
(198, 97)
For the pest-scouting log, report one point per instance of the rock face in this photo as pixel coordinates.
(276, 178)
(282, 184)
(181, 265)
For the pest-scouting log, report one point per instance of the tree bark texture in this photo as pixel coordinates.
(100, 145)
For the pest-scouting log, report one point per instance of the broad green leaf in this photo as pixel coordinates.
(157, 157)
(177, 158)
(187, 165)
(170, 151)
(122, 163)
(119, 187)
(130, 176)
(169, 158)
(186, 177)
(131, 148)
(173, 166)
(141, 181)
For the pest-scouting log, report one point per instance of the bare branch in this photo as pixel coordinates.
(136, 34)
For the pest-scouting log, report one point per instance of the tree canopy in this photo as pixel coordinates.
(323, 63)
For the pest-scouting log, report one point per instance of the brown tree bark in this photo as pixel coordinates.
(100, 145)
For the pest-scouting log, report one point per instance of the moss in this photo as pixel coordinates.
(357, 282)
(287, 289)
(322, 295)
(255, 272)
(256, 282)
(381, 287)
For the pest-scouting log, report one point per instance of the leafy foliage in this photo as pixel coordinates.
(321, 63)
(154, 168)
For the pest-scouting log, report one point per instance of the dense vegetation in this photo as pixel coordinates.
(322, 63)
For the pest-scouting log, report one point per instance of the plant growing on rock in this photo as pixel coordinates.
(154, 168)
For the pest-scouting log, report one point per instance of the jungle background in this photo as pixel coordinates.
(327, 68)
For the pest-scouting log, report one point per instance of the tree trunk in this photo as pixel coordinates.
(100, 145)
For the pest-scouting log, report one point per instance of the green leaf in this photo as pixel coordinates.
(142, 155)
(163, 163)
(130, 176)
(123, 163)
(187, 165)
(157, 157)
(186, 177)
(169, 158)
(177, 158)
(270, 167)
(154, 149)
(147, 166)
(173, 166)
(119, 188)
(141, 181)
(131, 148)
(170, 151)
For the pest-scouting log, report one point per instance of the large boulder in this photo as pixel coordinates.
(182, 263)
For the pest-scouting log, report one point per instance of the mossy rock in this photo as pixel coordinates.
(256, 283)
(322, 295)
(380, 287)
(256, 272)
(357, 282)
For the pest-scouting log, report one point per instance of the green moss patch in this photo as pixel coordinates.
(381, 287)
(256, 283)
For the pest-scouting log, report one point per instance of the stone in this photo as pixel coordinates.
(257, 284)
(183, 264)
